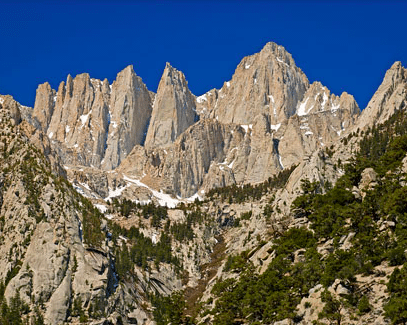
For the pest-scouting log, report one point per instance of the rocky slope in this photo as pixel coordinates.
(273, 120)
(266, 83)
(278, 118)
(390, 97)
(55, 257)
(120, 145)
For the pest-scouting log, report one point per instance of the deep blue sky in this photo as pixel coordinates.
(347, 45)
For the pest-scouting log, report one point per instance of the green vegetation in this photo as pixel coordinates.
(170, 309)
(240, 194)
(396, 308)
(184, 231)
(136, 249)
(274, 294)
(335, 215)
(16, 311)
(150, 211)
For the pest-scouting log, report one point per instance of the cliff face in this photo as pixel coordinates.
(390, 97)
(93, 123)
(266, 83)
(173, 109)
(274, 117)
(130, 112)
(122, 141)
(279, 117)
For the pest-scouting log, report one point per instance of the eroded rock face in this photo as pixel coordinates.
(130, 112)
(390, 97)
(321, 118)
(280, 118)
(174, 109)
(75, 119)
(42, 241)
(92, 123)
(44, 105)
(12, 107)
(267, 83)
(258, 150)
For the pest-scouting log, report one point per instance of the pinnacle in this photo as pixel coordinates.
(396, 65)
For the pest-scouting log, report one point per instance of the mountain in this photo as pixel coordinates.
(390, 97)
(91, 122)
(270, 200)
(173, 109)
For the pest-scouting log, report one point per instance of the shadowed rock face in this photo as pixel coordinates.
(174, 109)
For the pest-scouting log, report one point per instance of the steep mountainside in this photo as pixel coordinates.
(93, 123)
(173, 109)
(278, 118)
(270, 200)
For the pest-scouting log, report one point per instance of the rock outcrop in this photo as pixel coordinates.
(129, 115)
(266, 83)
(44, 105)
(174, 109)
(309, 117)
(391, 96)
(93, 123)
(321, 118)
(122, 141)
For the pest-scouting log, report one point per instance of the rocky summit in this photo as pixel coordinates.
(268, 201)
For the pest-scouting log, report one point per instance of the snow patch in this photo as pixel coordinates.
(281, 61)
(50, 134)
(201, 99)
(84, 185)
(115, 193)
(84, 118)
(194, 197)
(275, 127)
(247, 127)
(154, 238)
(280, 161)
(80, 191)
(102, 208)
(247, 66)
(231, 164)
(228, 84)
(67, 129)
(271, 98)
(335, 108)
(163, 199)
(301, 110)
(308, 133)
